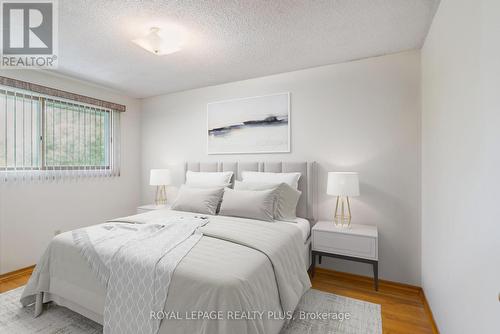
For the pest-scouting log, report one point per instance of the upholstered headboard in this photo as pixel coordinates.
(306, 208)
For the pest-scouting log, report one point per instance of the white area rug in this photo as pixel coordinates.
(317, 313)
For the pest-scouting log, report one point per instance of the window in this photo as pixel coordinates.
(51, 137)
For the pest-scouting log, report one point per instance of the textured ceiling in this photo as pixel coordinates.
(229, 40)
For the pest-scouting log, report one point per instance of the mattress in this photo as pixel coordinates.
(216, 274)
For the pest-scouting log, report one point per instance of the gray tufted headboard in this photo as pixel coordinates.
(306, 207)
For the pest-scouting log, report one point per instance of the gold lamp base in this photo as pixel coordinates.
(161, 195)
(342, 217)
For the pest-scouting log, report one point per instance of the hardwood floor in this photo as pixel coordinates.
(404, 309)
(15, 279)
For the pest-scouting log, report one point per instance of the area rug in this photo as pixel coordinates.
(317, 313)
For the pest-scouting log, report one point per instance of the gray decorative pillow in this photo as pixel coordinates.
(209, 186)
(238, 185)
(200, 200)
(287, 198)
(254, 204)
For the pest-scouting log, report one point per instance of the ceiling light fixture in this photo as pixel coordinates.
(162, 41)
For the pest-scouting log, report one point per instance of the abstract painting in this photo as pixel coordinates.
(258, 124)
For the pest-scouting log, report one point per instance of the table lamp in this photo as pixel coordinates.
(343, 185)
(160, 178)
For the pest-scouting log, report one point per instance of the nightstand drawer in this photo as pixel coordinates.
(344, 244)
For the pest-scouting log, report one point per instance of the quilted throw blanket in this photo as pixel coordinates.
(135, 263)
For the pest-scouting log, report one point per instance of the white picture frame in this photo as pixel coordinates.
(250, 125)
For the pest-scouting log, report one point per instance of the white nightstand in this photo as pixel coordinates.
(358, 243)
(151, 207)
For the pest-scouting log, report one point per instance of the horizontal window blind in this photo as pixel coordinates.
(44, 138)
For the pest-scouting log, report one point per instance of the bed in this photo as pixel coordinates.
(235, 266)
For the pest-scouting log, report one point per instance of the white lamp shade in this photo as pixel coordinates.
(343, 184)
(160, 177)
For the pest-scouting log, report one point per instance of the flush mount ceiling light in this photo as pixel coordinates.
(162, 41)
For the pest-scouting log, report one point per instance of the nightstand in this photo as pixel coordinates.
(151, 207)
(358, 243)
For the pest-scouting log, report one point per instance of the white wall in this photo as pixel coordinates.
(460, 166)
(360, 116)
(30, 213)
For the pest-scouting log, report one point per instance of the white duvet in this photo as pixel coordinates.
(243, 276)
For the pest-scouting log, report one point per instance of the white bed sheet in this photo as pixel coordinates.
(303, 225)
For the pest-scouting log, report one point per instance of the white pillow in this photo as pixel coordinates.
(208, 178)
(287, 198)
(198, 200)
(292, 179)
(254, 204)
